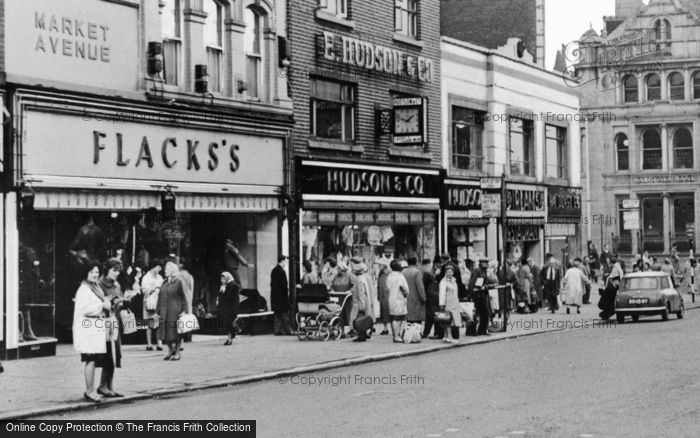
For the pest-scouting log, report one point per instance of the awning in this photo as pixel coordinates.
(137, 201)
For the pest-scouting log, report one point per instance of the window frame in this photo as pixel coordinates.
(648, 88)
(626, 91)
(674, 148)
(217, 49)
(562, 159)
(677, 88)
(340, 7)
(528, 134)
(402, 9)
(346, 105)
(177, 41)
(645, 149)
(259, 56)
(695, 77)
(618, 143)
(475, 123)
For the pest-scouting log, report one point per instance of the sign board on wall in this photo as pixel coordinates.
(65, 145)
(71, 42)
(491, 205)
(630, 220)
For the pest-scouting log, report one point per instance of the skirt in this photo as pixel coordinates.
(105, 360)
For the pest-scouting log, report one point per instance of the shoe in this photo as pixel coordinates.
(384, 332)
(398, 341)
(175, 357)
(182, 348)
(168, 356)
(434, 337)
(359, 339)
(91, 398)
(108, 393)
(149, 348)
(159, 348)
(228, 342)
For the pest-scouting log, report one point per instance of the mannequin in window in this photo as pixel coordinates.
(233, 259)
(88, 243)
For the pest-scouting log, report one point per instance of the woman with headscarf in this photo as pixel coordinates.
(171, 304)
(110, 286)
(525, 287)
(227, 304)
(449, 302)
(150, 288)
(90, 338)
(397, 291)
(361, 298)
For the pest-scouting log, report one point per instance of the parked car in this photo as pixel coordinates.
(648, 293)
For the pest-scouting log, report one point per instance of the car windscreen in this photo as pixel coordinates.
(640, 283)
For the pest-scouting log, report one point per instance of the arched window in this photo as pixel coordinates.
(696, 85)
(682, 149)
(662, 30)
(254, 48)
(676, 85)
(651, 141)
(622, 146)
(653, 87)
(214, 43)
(631, 89)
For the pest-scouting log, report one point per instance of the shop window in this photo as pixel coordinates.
(676, 85)
(466, 242)
(522, 153)
(682, 149)
(653, 84)
(254, 50)
(555, 151)
(213, 40)
(406, 17)
(696, 85)
(332, 110)
(339, 8)
(622, 146)
(368, 235)
(651, 145)
(467, 139)
(171, 28)
(631, 89)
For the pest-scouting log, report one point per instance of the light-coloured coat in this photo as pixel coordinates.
(573, 287)
(89, 328)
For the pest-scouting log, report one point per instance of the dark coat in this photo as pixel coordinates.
(537, 281)
(279, 290)
(607, 299)
(416, 294)
(171, 303)
(550, 287)
(228, 305)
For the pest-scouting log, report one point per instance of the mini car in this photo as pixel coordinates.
(648, 293)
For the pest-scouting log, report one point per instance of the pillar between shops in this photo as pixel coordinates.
(697, 218)
(664, 147)
(641, 91)
(633, 233)
(667, 223)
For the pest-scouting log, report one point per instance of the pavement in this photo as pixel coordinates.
(43, 386)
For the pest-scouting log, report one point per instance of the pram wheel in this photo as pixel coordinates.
(336, 329)
(324, 331)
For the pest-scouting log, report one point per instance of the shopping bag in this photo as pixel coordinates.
(493, 297)
(128, 321)
(152, 301)
(412, 333)
(187, 323)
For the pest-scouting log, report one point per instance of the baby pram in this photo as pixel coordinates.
(320, 316)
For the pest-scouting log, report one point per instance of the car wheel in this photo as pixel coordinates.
(620, 318)
(664, 314)
(681, 312)
(635, 318)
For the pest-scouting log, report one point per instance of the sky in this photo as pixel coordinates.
(566, 20)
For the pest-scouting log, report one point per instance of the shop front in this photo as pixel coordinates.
(468, 236)
(203, 195)
(562, 231)
(526, 214)
(352, 210)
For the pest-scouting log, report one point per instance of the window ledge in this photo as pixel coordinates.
(334, 146)
(331, 18)
(522, 178)
(466, 173)
(557, 181)
(396, 152)
(401, 38)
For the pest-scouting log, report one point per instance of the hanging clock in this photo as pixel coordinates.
(409, 117)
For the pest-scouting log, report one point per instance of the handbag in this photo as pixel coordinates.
(128, 321)
(413, 333)
(152, 301)
(187, 323)
(363, 323)
(112, 324)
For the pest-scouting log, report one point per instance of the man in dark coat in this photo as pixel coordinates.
(551, 279)
(432, 297)
(416, 292)
(479, 289)
(279, 298)
(607, 298)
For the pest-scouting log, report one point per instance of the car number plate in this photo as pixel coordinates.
(638, 301)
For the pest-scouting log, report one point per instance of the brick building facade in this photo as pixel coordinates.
(365, 82)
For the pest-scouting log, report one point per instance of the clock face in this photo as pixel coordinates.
(407, 121)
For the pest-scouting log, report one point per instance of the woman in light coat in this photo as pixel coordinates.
(573, 286)
(397, 299)
(449, 302)
(150, 287)
(90, 328)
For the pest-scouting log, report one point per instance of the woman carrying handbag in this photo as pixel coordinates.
(171, 304)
